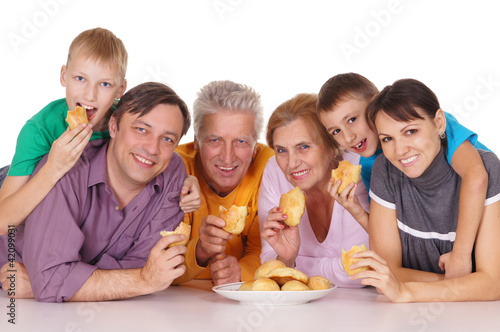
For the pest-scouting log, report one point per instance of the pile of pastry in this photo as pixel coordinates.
(275, 276)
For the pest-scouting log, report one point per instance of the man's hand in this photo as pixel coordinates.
(225, 269)
(212, 240)
(190, 195)
(21, 288)
(164, 264)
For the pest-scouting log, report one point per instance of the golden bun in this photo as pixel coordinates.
(284, 274)
(346, 173)
(347, 260)
(76, 117)
(318, 283)
(293, 204)
(234, 217)
(182, 228)
(246, 286)
(265, 284)
(268, 266)
(294, 285)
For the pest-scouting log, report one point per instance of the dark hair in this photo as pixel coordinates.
(144, 97)
(400, 99)
(302, 106)
(341, 86)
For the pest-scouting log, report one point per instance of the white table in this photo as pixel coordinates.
(195, 307)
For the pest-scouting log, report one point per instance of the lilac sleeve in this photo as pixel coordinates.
(313, 258)
(269, 197)
(347, 232)
(53, 240)
(331, 266)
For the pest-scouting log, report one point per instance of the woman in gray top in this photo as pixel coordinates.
(414, 205)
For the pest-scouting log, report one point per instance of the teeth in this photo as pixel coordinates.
(227, 168)
(300, 173)
(142, 160)
(409, 160)
(360, 144)
(87, 107)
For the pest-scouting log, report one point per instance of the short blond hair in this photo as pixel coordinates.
(101, 45)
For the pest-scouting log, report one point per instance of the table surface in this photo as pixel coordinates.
(195, 307)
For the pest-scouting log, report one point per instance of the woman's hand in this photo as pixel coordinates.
(285, 240)
(380, 277)
(349, 200)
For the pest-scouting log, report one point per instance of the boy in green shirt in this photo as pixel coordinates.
(94, 77)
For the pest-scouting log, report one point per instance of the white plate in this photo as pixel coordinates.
(230, 291)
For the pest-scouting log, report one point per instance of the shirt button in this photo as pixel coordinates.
(117, 208)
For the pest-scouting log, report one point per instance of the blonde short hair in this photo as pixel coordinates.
(103, 46)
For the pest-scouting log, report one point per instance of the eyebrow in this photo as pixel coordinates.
(145, 124)
(347, 116)
(402, 130)
(235, 138)
(342, 120)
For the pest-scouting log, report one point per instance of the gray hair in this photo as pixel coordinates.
(226, 95)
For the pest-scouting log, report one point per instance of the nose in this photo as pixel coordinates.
(349, 136)
(294, 160)
(90, 93)
(152, 146)
(401, 147)
(227, 153)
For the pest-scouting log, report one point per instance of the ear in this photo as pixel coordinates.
(112, 125)
(62, 79)
(122, 89)
(440, 120)
(196, 144)
(254, 151)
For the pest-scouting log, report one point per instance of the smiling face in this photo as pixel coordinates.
(92, 85)
(141, 147)
(226, 149)
(411, 146)
(302, 156)
(347, 124)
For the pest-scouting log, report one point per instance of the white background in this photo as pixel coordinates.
(280, 48)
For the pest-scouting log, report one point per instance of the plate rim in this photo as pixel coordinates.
(229, 294)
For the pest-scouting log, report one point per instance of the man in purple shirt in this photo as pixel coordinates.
(96, 236)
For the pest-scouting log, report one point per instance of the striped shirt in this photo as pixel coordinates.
(427, 206)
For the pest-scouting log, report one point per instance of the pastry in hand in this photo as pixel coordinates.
(234, 217)
(346, 173)
(347, 260)
(293, 203)
(266, 267)
(318, 283)
(76, 117)
(184, 229)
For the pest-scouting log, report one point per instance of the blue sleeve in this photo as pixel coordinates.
(457, 134)
(366, 168)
